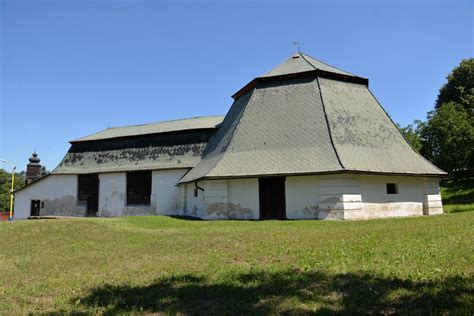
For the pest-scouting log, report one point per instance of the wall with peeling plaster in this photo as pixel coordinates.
(223, 199)
(377, 203)
(302, 197)
(169, 198)
(365, 197)
(342, 196)
(113, 197)
(58, 194)
(243, 198)
(193, 205)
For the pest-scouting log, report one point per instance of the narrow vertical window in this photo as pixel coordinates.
(392, 188)
(138, 188)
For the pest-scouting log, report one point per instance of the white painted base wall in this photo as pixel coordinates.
(58, 196)
(340, 196)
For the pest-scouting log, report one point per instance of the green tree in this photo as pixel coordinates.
(460, 87)
(412, 134)
(5, 187)
(448, 138)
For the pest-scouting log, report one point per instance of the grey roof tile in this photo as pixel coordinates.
(280, 129)
(204, 122)
(364, 136)
(300, 62)
(131, 159)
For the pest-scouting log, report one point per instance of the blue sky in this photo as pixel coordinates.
(71, 68)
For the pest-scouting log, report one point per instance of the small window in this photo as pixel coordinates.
(138, 188)
(392, 188)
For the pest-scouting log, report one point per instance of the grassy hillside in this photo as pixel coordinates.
(161, 264)
(458, 195)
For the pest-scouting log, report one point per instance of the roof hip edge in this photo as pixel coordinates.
(328, 126)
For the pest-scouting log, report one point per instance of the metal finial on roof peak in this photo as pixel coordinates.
(298, 44)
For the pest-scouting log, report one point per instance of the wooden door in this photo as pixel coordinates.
(35, 208)
(272, 198)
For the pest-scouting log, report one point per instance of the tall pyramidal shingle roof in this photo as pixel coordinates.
(307, 117)
(300, 62)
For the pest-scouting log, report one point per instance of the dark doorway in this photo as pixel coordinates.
(35, 208)
(272, 198)
(88, 193)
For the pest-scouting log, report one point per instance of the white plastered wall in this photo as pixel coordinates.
(168, 196)
(366, 197)
(302, 197)
(376, 202)
(432, 204)
(57, 193)
(338, 196)
(223, 199)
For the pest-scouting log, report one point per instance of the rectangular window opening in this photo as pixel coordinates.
(88, 188)
(138, 187)
(392, 188)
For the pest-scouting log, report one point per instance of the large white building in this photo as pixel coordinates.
(304, 141)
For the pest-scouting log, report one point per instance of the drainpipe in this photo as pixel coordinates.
(196, 188)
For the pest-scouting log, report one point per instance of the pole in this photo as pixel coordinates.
(13, 186)
(11, 193)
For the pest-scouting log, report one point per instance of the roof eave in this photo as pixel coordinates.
(317, 72)
(344, 171)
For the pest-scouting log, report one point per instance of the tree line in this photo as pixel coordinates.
(5, 187)
(446, 138)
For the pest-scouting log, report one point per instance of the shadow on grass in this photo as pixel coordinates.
(287, 292)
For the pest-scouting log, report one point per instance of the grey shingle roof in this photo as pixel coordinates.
(300, 62)
(203, 122)
(141, 147)
(318, 119)
(364, 136)
(307, 125)
(130, 159)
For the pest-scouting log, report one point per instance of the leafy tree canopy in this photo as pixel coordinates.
(412, 135)
(460, 87)
(447, 136)
(5, 187)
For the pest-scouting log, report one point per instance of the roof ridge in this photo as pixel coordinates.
(168, 121)
(302, 56)
(322, 62)
(231, 138)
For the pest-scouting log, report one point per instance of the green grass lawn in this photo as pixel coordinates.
(161, 264)
(458, 195)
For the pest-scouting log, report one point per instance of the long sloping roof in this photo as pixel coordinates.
(204, 122)
(307, 125)
(171, 145)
